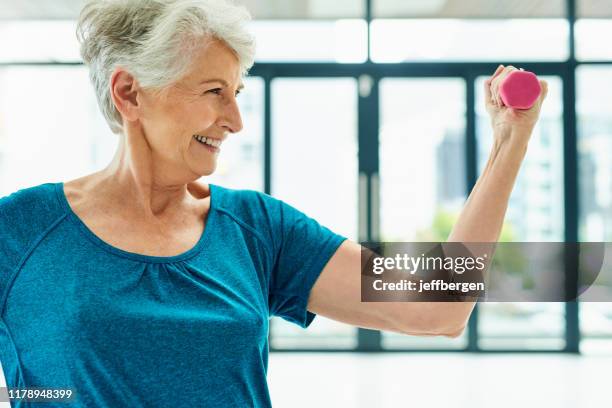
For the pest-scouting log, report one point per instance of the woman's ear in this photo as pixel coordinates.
(124, 92)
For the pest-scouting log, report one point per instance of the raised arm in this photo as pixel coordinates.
(337, 292)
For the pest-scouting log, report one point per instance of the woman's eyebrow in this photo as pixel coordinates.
(223, 81)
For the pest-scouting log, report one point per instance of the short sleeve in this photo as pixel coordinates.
(7, 245)
(301, 247)
(25, 215)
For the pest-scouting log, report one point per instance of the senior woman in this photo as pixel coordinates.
(140, 286)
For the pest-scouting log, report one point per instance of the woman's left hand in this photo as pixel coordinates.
(507, 121)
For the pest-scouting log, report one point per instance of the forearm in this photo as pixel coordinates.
(482, 216)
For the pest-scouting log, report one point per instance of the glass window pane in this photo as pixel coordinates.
(71, 126)
(343, 40)
(592, 39)
(594, 8)
(596, 327)
(469, 8)
(336, 41)
(595, 183)
(535, 214)
(422, 157)
(422, 170)
(261, 9)
(314, 157)
(33, 41)
(521, 325)
(469, 40)
(33, 10)
(595, 152)
(304, 9)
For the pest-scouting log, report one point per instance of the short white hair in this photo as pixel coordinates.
(155, 41)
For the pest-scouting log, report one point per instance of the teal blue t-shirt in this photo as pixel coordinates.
(122, 329)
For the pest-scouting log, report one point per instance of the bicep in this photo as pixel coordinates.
(336, 294)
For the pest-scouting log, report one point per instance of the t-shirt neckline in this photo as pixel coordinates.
(59, 189)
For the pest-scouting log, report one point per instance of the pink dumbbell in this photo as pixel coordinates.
(520, 89)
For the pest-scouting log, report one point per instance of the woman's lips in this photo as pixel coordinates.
(212, 149)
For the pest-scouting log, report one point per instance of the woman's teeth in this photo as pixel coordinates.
(207, 140)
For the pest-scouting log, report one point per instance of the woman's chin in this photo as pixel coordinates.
(206, 169)
(203, 171)
(201, 160)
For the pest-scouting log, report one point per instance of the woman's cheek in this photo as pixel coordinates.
(205, 114)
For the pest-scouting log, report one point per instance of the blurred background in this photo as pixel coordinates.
(368, 115)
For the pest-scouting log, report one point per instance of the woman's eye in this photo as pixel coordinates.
(218, 91)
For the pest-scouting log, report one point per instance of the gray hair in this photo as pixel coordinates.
(154, 40)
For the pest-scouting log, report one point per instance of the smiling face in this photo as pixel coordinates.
(182, 121)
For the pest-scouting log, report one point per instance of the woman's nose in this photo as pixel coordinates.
(230, 118)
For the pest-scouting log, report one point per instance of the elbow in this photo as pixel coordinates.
(432, 330)
(457, 321)
(431, 327)
(434, 319)
(456, 327)
(453, 333)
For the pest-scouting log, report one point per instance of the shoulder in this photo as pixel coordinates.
(25, 214)
(244, 201)
(260, 213)
(251, 207)
(255, 206)
(28, 202)
(270, 216)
